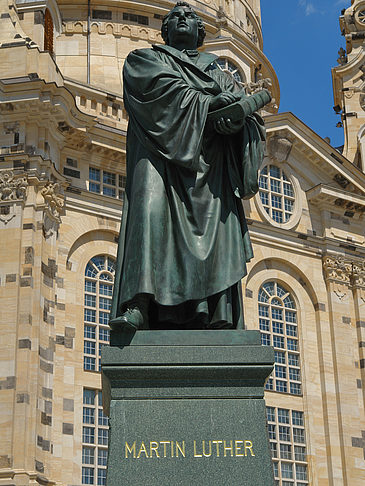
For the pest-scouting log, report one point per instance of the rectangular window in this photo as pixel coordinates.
(275, 186)
(89, 363)
(89, 315)
(272, 431)
(87, 475)
(103, 436)
(88, 455)
(276, 201)
(265, 339)
(103, 318)
(298, 435)
(89, 332)
(109, 178)
(264, 325)
(290, 316)
(300, 454)
(89, 347)
(280, 357)
(283, 416)
(297, 418)
(269, 384)
(270, 414)
(94, 174)
(280, 371)
(102, 457)
(109, 191)
(90, 300)
(263, 311)
(106, 182)
(301, 472)
(285, 451)
(104, 334)
(293, 359)
(90, 286)
(102, 15)
(101, 477)
(105, 289)
(105, 303)
(295, 388)
(88, 435)
(284, 433)
(281, 386)
(291, 330)
(102, 419)
(277, 314)
(138, 19)
(287, 470)
(276, 469)
(89, 397)
(278, 327)
(263, 182)
(294, 374)
(278, 342)
(277, 216)
(292, 344)
(88, 415)
(274, 449)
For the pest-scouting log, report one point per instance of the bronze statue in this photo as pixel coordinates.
(194, 147)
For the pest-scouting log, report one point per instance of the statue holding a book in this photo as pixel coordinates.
(194, 147)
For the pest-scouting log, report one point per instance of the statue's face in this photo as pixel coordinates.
(182, 23)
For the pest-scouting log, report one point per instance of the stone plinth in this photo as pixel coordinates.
(186, 408)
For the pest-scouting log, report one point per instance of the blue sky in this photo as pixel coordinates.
(301, 40)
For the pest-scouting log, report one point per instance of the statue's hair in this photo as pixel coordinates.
(201, 28)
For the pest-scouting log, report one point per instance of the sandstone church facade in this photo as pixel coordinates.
(62, 177)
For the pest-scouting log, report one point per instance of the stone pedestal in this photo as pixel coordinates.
(186, 408)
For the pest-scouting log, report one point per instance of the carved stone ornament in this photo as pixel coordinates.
(337, 269)
(54, 200)
(279, 148)
(221, 19)
(12, 188)
(358, 274)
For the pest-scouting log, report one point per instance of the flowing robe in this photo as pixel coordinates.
(183, 238)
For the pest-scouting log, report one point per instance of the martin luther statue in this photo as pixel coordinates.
(184, 243)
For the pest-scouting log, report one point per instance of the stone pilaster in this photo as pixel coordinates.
(345, 415)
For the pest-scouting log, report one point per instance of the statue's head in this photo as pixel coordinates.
(171, 22)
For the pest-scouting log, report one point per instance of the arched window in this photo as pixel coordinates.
(288, 446)
(276, 194)
(99, 279)
(48, 32)
(228, 67)
(278, 326)
(95, 432)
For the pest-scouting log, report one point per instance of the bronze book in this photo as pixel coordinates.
(242, 108)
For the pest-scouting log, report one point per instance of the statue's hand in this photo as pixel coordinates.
(222, 100)
(225, 126)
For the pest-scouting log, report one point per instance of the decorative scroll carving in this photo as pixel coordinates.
(337, 269)
(344, 272)
(12, 188)
(358, 274)
(54, 200)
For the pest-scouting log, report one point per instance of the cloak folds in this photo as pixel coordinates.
(183, 237)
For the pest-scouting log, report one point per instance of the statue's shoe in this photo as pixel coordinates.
(131, 320)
